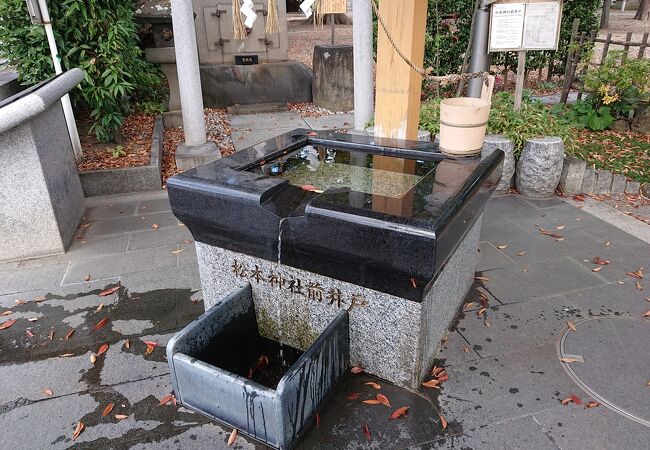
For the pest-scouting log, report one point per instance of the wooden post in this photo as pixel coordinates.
(397, 101)
(644, 44)
(568, 76)
(398, 89)
(519, 84)
(606, 48)
(626, 47)
(332, 26)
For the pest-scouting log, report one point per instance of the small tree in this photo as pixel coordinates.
(98, 36)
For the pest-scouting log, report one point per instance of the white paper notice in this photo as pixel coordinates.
(541, 25)
(506, 26)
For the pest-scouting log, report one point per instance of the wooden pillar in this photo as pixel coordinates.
(397, 101)
(398, 89)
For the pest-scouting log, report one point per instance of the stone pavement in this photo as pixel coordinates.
(505, 382)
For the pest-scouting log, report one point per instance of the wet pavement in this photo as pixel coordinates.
(506, 381)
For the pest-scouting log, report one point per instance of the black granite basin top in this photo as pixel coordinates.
(381, 213)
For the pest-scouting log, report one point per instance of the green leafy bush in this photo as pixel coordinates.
(533, 119)
(98, 36)
(586, 114)
(621, 83)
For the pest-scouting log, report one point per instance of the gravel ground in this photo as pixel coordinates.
(303, 37)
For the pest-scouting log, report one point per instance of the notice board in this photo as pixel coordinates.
(334, 7)
(523, 26)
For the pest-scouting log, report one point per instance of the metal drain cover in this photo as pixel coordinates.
(616, 367)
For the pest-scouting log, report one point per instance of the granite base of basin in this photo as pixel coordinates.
(391, 337)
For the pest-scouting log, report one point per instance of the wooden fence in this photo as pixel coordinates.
(580, 47)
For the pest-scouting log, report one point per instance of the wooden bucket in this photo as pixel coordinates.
(463, 122)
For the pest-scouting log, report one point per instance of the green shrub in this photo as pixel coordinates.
(98, 36)
(621, 83)
(586, 114)
(533, 119)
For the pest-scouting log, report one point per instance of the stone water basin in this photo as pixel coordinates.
(223, 368)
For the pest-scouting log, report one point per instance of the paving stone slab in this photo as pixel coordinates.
(495, 229)
(599, 343)
(499, 205)
(126, 263)
(342, 420)
(575, 427)
(612, 299)
(153, 205)
(539, 279)
(523, 433)
(188, 255)
(549, 218)
(267, 121)
(243, 139)
(491, 390)
(491, 258)
(456, 350)
(186, 277)
(517, 326)
(110, 211)
(32, 278)
(330, 122)
(129, 224)
(544, 202)
(141, 240)
(622, 259)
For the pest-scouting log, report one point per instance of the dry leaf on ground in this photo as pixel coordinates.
(443, 421)
(100, 324)
(592, 405)
(232, 438)
(110, 291)
(481, 278)
(78, 430)
(166, 399)
(121, 416)
(571, 325)
(69, 334)
(108, 409)
(356, 369)
(373, 384)
(7, 323)
(569, 360)
(399, 412)
(434, 384)
(48, 392)
(102, 349)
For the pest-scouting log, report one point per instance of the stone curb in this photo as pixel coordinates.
(128, 179)
(578, 178)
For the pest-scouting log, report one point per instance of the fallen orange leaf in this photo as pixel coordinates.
(399, 412)
(29, 333)
(353, 396)
(356, 369)
(166, 399)
(93, 359)
(108, 409)
(127, 344)
(413, 283)
(99, 308)
(521, 253)
(383, 400)
(100, 324)
(232, 438)
(571, 325)
(443, 421)
(69, 334)
(77, 431)
(638, 286)
(432, 384)
(436, 370)
(442, 376)
(51, 335)
(469, 305)
(646, 314)
(155, 344)
(372, 402)
(597, 269)
(6, 313)
(373, 384)
(480, 312)
(592, 405)
(569, 360)
(121, 416)
(110, 291)
(501, 247)
(102, 349)
(48, 392)
(149, 350)
(6, 324)
(155, 226)
(481, 278)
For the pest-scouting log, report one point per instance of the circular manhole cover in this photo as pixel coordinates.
(613, 365)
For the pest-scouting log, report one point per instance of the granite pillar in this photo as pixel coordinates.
(195, 150)
(362, 29)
